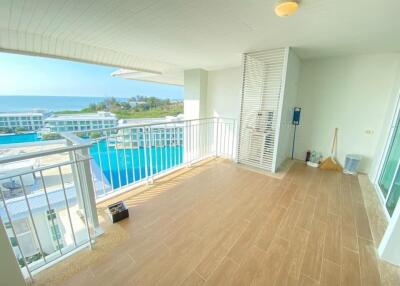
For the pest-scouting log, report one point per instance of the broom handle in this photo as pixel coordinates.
(334, 141)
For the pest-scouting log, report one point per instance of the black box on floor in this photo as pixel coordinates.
(118, 211)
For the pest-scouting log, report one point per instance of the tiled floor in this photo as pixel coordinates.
(222, 224)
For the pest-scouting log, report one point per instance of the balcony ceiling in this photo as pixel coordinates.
(172, 35)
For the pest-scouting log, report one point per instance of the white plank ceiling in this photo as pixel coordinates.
(171, 35)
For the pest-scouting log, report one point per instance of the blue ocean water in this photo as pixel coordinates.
(51, 103)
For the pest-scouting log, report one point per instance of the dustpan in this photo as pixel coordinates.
(330, 163)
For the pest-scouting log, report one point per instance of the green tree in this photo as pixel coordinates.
(51, 136)
(5, 130)
(20, 129)
(95, 134)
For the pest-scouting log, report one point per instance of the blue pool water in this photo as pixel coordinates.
(131, 162)
(19, 138)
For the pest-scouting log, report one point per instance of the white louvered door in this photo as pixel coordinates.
(260, 109)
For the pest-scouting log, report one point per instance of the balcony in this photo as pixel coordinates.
(218, 223)
(196, 217)
(48, 201)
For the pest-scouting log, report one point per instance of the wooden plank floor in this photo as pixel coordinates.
(221, 224)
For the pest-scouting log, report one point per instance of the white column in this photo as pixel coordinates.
(83, 182)
(195, 96)
(10, 273)
(195, 93)
(389, 248)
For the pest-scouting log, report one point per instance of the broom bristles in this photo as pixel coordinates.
(330, 164)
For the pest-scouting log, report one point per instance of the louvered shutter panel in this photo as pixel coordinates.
(261, 98)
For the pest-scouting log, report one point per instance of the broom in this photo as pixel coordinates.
(330, 163)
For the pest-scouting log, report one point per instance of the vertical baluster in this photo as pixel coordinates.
(151, 154)
(117, 157)
(145, 153)
(224, 139)
(109, 163)
(31, 217)
(124, 151)
(187, 143)
(67, 204)
(162, 163)
(198, 139)
(233, 140)
(16, 237)
(170, 146)
(179, 131)
(139, 152)
(165, 147)
(101, 166)
(175, 143)
(194, 141)
(49, 207)
(156, 147)
(191, 142)
(132, 159)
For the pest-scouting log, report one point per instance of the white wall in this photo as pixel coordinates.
(224, 100)
(352, 93)
(224, 93)
(284, 150)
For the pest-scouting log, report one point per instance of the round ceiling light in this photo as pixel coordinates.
(286, 7)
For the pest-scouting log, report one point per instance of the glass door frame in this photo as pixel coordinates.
(394, 125)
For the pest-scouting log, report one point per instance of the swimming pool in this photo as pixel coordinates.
(120, 167)
(123, 166)
(19, 138)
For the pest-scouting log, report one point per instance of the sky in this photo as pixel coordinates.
(29, 75)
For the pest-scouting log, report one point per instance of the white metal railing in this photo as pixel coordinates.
(129, 155)
(47, 210)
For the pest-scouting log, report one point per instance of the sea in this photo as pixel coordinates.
(23, 103)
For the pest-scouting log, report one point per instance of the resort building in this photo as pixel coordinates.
(28, 121)
(166, 131)
(232, 201)
(80, 122)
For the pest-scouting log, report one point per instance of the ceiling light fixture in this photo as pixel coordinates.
(286, 7)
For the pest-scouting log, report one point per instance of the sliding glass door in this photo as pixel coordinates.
(394, 194)
(389, 180)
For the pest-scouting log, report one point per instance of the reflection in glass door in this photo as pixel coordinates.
(394, 194)
(389, 180)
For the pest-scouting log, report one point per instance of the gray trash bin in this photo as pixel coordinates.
(351, 164)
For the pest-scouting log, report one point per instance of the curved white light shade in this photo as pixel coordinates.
(286, 7)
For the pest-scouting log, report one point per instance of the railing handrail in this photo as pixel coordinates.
(42, 153)
(44, 168)
(148, 124)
